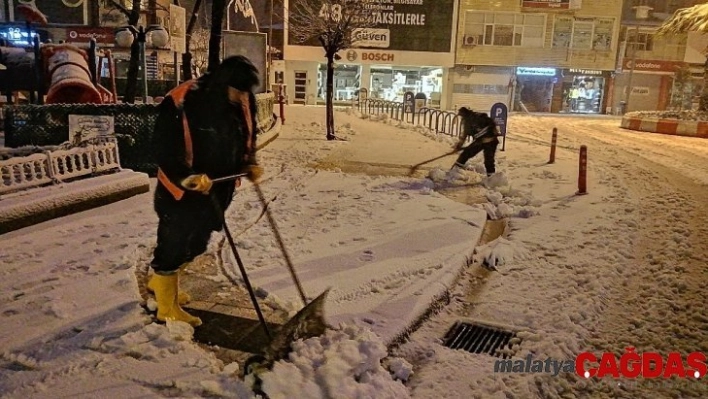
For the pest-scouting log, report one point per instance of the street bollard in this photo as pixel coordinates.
(583, 171)
(554, 140)
(281, 100)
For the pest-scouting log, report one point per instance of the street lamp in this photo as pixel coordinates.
(157, 36)
(642, 15)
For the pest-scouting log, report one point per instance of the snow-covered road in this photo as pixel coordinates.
(624, 269)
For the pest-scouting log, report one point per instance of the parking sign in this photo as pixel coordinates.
(500, 114)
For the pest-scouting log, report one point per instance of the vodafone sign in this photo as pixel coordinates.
(650, 66)
(84, 35)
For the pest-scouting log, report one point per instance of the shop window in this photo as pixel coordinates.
(639, 42)
(602, 36)
(504, 29)
(582, 36)
(392, 84)
(583, 33)
(673, 5)
(346, 82)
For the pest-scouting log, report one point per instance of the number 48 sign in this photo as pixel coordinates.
(331, 11)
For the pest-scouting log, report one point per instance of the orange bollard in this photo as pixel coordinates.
(554, 140)
(583, 171)
(281, 99)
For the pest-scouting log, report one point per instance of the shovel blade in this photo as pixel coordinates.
(307, 323)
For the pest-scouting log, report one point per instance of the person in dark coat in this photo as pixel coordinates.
(205, 129)
(484, 133)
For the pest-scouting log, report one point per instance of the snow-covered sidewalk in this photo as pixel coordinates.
(387, 246)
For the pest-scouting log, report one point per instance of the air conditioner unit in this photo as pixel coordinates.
(469, 41)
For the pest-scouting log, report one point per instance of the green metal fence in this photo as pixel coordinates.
(46, 125)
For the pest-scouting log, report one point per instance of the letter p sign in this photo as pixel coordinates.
(500, 113)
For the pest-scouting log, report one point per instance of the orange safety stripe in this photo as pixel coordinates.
(176, 192)
(246, 107)
(178, 94)
(188, 151)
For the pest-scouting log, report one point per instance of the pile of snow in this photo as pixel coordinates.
(343, 363)
(7, 153)
(686, 115)
(499, 252)
(504, 200)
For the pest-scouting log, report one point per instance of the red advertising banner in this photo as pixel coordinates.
(650, 65)
(84, 34)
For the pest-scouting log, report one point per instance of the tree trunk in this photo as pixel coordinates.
(187, 56)
(217, 19)
(187, 65)
(131, 86)
(329, 102)
(703, 102)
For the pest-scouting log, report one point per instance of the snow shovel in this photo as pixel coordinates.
(241, 267)
(281, 244)
(229, 178)
(416, 166)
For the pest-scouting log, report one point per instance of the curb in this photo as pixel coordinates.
(673, 127)
(270, 135)
(39, 205)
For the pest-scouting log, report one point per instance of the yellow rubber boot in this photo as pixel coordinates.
(166, 289)
(182, 297)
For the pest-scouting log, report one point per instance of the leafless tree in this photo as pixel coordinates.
(218, 8)
(692, 19)
(332, 23)
(200, 49)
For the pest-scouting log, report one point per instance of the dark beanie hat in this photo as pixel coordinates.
(237, 72)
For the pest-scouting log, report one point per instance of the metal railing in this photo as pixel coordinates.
(19, 173)
(435, 120)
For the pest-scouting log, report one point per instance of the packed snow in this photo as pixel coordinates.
(559, 275)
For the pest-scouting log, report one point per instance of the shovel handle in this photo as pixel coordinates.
(228, 178)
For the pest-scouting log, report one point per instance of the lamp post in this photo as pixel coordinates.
(642, 14)
(158, 38)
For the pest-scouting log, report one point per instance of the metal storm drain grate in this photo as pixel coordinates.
(479, 338)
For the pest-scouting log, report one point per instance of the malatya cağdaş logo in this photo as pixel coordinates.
(646, 365)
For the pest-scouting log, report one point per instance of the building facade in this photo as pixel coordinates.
(412, 52)
(77, 21)
(655, 66)
(536, 56)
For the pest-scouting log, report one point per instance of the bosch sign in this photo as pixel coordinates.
(371, 38)
(385, 57)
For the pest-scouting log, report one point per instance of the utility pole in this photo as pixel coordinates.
(633, 58)
(270, 48)
(642, 14)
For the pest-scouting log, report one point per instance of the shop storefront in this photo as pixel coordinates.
(412, 52)
(480, 87)
(582, 91)
(651, 85)
(534, 88)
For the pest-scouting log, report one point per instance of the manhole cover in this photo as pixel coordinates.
(480, 338)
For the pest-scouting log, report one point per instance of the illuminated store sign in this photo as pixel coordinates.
(536, 71)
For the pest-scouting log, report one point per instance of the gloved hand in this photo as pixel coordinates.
(254, 172)
(201, 183)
